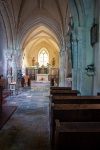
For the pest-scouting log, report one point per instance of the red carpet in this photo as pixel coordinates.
(6, 113)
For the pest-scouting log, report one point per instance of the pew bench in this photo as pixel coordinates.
(59, 88)
(1, 89)
(4, 83)
(77, 135)
(75, 99)
(98, 93)
(3, 95)
(64, 92)
(73, 113)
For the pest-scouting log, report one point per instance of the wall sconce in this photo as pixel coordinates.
(90, 70)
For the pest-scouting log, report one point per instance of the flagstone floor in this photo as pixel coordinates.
(28, 128)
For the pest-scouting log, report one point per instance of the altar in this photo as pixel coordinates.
(42, 77)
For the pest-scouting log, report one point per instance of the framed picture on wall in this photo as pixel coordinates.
(94, 34)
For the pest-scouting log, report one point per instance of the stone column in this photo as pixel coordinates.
(84, 57)
(62, 71)
(9, 67)
(68, 59)
(17, 63)
(66, 66)
(68, 53)
(74, 62)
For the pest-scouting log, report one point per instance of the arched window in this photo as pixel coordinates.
(43, 57)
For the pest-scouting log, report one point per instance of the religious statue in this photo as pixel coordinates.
(48, 65)
(37, 65)
(33, 61)
(53, 61)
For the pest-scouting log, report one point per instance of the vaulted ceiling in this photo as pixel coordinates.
(31, 23)
(39, 20)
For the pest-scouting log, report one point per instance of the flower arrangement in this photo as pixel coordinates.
(42, 79)
(90, 70)
(48, 65)
(90, 67)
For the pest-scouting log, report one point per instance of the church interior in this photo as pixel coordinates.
(49, 74)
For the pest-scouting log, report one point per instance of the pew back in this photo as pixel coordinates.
(73, 113)
(64, 92)
(1, 89)
(59, 88)
(75, 99)
(77, 135)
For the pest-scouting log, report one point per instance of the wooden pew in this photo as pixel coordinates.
(73, 113)
(59, 88)
(75, 99)
(77, 135)
(98, 93)
(1, 89)
(5, 92)
(3, 95)
(64, 92)
(4, 83)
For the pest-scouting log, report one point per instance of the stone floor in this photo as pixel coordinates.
(28, 128)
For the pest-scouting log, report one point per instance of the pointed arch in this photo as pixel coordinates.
(43, 57)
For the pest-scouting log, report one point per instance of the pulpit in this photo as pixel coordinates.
(42, 77)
